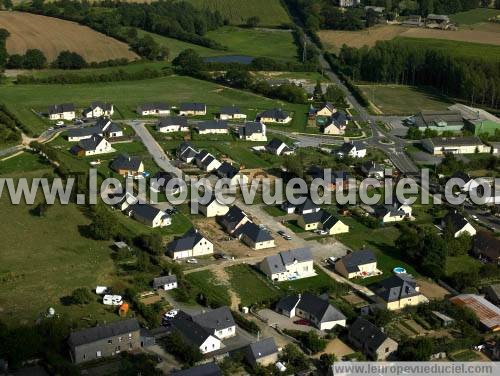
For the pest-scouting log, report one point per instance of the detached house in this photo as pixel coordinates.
(98, 109)
(352, 149)
(288, 265)
(125, 165)
(124, 200)
(219, 322)
(324, 221)
(192, 109)
(166, 182)
(326, 109)
(191, 244)
(312, 308)
(372, 341)
(337, 124)
(172, 124)
(393, 213)
(276, 115)
(167, 282)
(213, 208)
(195, 334)
(357, 264)
(487, 247)
(373, 170)
(64, 111)
(263, 352)
(227, 171)
(153, 109)
(252, 131)
(104, 341)
(92, 146)
(398, 291)
(206, 161)
(186, 152)
(255, 237)
(457, 224)
(230, 113)
(149, 215)
(207, 369)
(233, 219)
(278, 147)
(103, 127)
(212, 127)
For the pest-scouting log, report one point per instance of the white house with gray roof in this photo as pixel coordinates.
(153, 109)
(212, 127)
(98, 109)
(171, 124)
(195, 334)
(275, 115)
(361, 263)
(64, 111)
(103, 127)
(288, 265)
(255, 237)
(191, 244)
(192, 109)
(263, 352)
(252, 131)
(312, 308)
(219, 322)
(230, 113)
(278, 147)
(167, 282)
(149, 215)
(93, 145)
(186, 152)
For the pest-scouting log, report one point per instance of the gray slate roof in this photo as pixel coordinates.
(319, 308)
(217, 319)
(339, 118)
(456, 220)
(192, 107)
(60, 108)
(367, 334)
(255, 233)
(208, 369)
(173, 120)
(250, 128)
(145, 211)
(164, 280)
(313, 217)
(154, 106)
(229, 110)
(233, 217)
(263, 348)
(274, 145)
(354, 259)
(97, 333)
(91, 143)
(226, 170)
(125, 162)
(212, 124)
(395, 288)
(275, 113)
(190, 330)
(186, 242)
(277, 263)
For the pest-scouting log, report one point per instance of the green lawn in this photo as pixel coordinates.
(458, 48)
(24, 162)
(206, 282)
(320, 283)
(126, 95)
(270, 12)
(274, 211)
(45, 259)
(380, 241)
(292, 225)
(474, 16)
(404, 100)
(254, 42)
(462, 263)
(250, 286)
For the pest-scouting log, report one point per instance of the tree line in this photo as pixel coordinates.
(475, 80)
(4, 34)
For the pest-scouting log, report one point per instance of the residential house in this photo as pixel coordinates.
(92, 146)
(457, 224)
(336, 124)
(192, 109)
(275, 115)
(172, 124)
(98, 109)
(212, 127)
(455, 145)
(252, 131)
(233, 219)
(371, 340)
(230, 113)
(278, 147)
(352, 149)
(349, 3)
(219, 322)
(372, 169)
(262, 353)
(167, 183)
(186, 152)
(104, 341)
(307, 207)
(312, 308)
(153, 109)
(357, 264)
(206, 161)
(492, 293)
(167, 282)
(103, 127)
(487, 247)
(206, 369)
(123, 200)
(310, 221)
(398, 291)
(393, 213)
(468, 183)
(326, 109)
(228, 171)
(213, 208)
(191, 244)
(149, 215)
(126, 165)
(255, 237)
(288, 265)
(486, 312)
(195, 334)
(332, 225)
(64, 111)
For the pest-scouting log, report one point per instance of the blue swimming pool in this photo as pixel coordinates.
(399, 270)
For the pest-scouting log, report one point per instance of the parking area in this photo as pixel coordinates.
(277, 320)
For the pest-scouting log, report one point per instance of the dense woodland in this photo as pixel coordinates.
(473, 79)
(325, 14)
(4, 34)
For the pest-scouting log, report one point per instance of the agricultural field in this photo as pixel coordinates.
(471, 38)
(126, 95)
(270, 12)
(277, 44)
(35, 275)
(53, 35)
(474, 16)
(404, 100)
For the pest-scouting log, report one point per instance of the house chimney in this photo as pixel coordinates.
(382, 329)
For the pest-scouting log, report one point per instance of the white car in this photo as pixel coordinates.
(171, 314)
(474, 217)
(114, 300)
(60, 122)
(192, 261)
(331, 260)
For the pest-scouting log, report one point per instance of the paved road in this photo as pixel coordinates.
(154, 148)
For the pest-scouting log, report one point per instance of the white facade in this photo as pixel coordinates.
(213, 131)
(211, 344)
(224, 333)
(102, 148)
(334, 129)
(170, 286)
(259, 245)
(202, 248)
(153, 112)
(67, 115)
(98, 112)
(467, 229)
(287, 120)
(296, 270)
(232, 116)
(213, 209)
(173, 128)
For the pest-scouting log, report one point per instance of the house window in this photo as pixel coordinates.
(386, 349)
(98, 354)
(205, 348)
(130, 336)
(120, 339)
(130, 346)
(110, 341)
(84, 356)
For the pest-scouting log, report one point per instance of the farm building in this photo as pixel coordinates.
(439, 121)
(477, 120)
(486, 312)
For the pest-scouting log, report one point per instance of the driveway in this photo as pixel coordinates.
(275, 319)
(154, 148)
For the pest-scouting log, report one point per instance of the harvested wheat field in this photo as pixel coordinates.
(472, 36)
(52, 35)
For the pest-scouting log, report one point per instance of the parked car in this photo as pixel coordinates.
(192, 261)
(281, 232)
(331, 260)
(287, 237)
(474, 217)
(60, 122)
(171, 314)
(320, 232)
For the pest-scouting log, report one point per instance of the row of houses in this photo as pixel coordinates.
(67, 111)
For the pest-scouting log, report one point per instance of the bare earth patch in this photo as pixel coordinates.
(432, 290)
(473, 36)
(52, 35)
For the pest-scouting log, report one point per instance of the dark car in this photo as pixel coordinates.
(281, 232)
